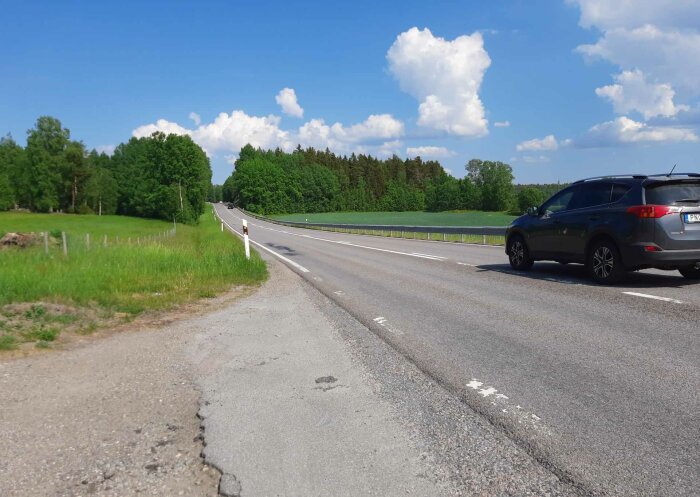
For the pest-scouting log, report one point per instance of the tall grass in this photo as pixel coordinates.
(199, 261)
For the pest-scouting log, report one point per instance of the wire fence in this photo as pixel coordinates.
(67, 243)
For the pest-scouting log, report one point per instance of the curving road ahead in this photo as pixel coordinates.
(599, 384)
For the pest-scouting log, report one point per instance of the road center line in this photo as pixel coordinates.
(655, 297)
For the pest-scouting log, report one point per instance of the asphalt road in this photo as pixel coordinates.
(599, 384)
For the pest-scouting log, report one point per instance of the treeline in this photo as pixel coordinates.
(166, 177)
(309, 180)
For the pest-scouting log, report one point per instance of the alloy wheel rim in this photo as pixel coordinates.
(517, 253)
(603, 262)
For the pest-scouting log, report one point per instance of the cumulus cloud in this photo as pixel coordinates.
(429, 151)
(632, 92)
(625, 131)
(502, 124)
(667, 56)
(607, 14)
(287, 100)
(531, 159)
(196, 118)
(549, 142)
(230, 132)
(445, 76)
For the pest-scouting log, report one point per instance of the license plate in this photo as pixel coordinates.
(691, 218)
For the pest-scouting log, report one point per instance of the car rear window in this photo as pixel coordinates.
(670, 193)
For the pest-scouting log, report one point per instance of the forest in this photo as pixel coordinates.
(162, 177)
(309, 180)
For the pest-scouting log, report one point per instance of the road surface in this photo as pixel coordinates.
(599, 384)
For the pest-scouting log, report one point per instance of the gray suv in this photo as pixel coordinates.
(614, 224)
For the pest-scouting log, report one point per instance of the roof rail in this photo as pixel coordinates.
(692, 175)
(611, 176)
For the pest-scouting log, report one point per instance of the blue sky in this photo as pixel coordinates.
(577, 87)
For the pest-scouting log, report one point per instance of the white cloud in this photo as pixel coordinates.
(667, 56)
(105, 149)
(196, 118)
(625, 131)
(229, 132)
(287, 100)
(531, 159)
(549, 142)
(607, 14)
(502, 124)
(632, 92)
(445, 76)
(429, 151)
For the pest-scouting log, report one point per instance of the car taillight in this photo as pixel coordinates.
(652, 211)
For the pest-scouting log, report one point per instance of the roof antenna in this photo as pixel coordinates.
(672, 169)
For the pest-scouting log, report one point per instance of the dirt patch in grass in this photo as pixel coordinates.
(30, 328)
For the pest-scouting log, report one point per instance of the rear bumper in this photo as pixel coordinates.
(636, 257)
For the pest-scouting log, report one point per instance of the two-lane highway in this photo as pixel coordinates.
(600, 384)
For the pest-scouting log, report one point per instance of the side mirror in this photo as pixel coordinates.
(533, 211)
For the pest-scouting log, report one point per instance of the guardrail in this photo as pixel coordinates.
(483, 235)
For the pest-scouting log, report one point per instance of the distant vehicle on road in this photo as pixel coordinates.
(230, 205)
(614, 224)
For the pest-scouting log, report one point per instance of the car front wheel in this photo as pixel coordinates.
(518, 254)
(691, 272)
(604, 263)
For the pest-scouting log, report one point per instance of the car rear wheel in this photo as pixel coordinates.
(691, 272)
(518, 254)
(604, 263)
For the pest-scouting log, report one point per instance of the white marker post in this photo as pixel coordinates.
(246, 242)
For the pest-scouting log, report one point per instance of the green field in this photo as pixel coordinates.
(457, 218)
(121, 278)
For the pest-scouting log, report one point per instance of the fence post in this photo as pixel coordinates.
(222, 226)
(444, 237)
(65, 243)
(87, 241)
(483, 239)
(461, 237)
(246, 242)
(104, 241)
(46, 243)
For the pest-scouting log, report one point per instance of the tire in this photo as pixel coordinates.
(518, 254)
(604, 263)
(690, 272)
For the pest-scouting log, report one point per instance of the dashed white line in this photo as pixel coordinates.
(655, 297)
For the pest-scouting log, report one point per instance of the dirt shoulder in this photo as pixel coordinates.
(114, 414)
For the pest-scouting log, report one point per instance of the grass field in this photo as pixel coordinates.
(457, 218)
(42, 295)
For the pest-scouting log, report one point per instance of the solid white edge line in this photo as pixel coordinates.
(655, 297)
(288, 261)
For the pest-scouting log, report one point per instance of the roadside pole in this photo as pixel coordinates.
(245, 239)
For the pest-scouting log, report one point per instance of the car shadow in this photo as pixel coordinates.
(287, 251)
(576, 274)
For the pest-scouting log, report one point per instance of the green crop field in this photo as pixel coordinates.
(457, 218)
(42, 294)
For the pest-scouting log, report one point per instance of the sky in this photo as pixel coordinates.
(559, 89)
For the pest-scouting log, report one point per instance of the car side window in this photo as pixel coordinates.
(591, 195)
(558, 203)
(619, 191)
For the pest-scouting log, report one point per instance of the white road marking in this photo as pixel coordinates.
(655, 297)
(288, 261)
(338, 292)
(466, 264)
(504, 406)
(437, 258)
(381, 321)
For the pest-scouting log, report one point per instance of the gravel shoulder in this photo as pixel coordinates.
(115, 415)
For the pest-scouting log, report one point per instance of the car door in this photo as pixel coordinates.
(544, 231)
(584, 213)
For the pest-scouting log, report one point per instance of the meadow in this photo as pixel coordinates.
(452, 218)
(162, 270)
